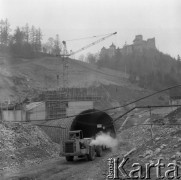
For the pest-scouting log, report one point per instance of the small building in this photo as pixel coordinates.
(35, 111)
(175, 96)
(12, 112)
(13, 115)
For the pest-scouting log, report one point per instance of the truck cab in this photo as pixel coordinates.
(75, 134)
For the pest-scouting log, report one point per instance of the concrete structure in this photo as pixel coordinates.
(76, 107)
(57, 102)
(35, 111)
(13, 115)
(89, 121)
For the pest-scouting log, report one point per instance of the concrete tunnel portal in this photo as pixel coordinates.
(93, 121)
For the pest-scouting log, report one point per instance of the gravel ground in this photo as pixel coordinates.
(22, 145)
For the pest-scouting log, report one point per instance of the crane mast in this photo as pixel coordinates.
(65, 56)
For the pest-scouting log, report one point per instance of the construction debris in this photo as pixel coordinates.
(165, 144)
(24, 145)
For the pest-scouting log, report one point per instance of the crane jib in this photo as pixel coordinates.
(89, 45)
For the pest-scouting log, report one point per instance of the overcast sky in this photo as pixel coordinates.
(81, 18)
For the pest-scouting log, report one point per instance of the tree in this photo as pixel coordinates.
(17, 42)
(50, 45)
(38, 38)
(178, 58)
(33, 38)
(57, 47)
(91, 58)
(26, 31)
(4, 32)
(103, 61)
(1, 31)
(116, 60)
(45, 48)
(18, 36)
(81, 57)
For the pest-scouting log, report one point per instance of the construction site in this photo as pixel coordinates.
(77, 101)
(55, 135)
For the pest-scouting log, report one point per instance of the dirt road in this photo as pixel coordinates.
(60, 169)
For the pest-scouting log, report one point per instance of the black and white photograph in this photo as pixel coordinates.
(90, 89)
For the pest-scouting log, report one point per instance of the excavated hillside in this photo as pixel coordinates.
(139, 146)
(23, 145)
(20, 78)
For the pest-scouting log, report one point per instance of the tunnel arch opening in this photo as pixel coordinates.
(93, 121)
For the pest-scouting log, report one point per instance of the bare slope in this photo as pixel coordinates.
(20, 78)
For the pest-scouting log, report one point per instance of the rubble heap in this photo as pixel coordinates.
(23, 145)
(165, 143)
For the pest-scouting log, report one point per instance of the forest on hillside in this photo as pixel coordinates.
(26, 41)
(149, 68)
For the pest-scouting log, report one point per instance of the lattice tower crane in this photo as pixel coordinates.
(65, 56)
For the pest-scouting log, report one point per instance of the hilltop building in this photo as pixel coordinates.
(138, 46)
(110, 51)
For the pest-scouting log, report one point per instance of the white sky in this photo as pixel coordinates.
(81, 18)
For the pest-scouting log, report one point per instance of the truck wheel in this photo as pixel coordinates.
(69, 158)
(99, 151)
(91, 155)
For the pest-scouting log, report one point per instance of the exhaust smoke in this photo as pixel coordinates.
(106, 140)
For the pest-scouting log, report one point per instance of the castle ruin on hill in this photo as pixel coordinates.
(138, 46)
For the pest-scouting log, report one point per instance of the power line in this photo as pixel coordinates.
(88, 37)
(143, 107)
(156, 124)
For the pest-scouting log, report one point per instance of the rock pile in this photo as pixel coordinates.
(23, 145)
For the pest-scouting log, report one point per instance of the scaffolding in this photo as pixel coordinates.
(56, 102)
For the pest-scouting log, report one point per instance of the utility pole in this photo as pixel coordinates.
(125, 70)
(57, 81)
(65, 65)
(65, 72)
